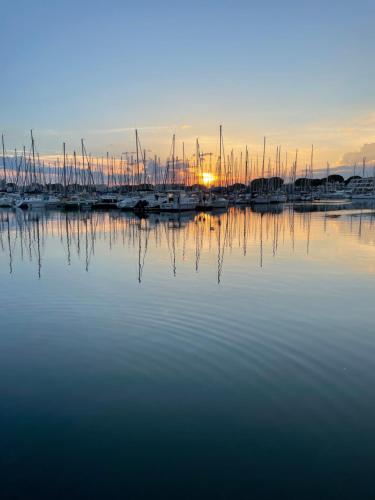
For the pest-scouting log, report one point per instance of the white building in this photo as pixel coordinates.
(364, 185)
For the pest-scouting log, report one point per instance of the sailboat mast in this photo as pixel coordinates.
(173, 158)
(4, 168)
(33, 155)
(183, 163)
(83, 176)
(220, 154)
(137, 153)
(64, 168)
(263, 160)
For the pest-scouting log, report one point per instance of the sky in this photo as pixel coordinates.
(297, 72)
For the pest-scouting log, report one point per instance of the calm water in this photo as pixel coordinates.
(208, 356)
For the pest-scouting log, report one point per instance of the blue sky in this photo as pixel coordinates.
(297, 72)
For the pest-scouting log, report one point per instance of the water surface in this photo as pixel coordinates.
(218, 355)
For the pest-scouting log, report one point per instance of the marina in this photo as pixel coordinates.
(145, 185)
(187, 250)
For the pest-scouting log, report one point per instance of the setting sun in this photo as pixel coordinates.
(207, 178)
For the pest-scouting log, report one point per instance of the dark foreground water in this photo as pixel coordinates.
(224, 356)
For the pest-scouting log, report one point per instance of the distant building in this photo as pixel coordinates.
(363, 184)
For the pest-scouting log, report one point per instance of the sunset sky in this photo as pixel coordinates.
(297, 72)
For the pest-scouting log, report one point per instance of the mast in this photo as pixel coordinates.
(220, 154)
(33, 154)
(155, 170)
(113, 172)
(246, 165)
(197, 162)
(75, 169)
(83, 177)
(137, 153)
(107, 170)
(4, 168)
(263, 160)
(173, 159)
(64, 168)
(183, 164)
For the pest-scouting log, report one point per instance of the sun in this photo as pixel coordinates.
(207, 178)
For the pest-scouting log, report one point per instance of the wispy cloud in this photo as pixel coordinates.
(121, 130)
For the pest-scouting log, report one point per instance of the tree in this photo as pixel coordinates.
(302, 182)
(336, 179)
(276, 182)
(259, 184)
(352, 178)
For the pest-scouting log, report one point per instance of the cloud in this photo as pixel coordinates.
(129, 129)
(366, 151)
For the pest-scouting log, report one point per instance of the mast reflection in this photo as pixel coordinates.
(194, 240)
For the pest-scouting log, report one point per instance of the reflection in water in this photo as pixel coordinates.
(197, 387)
(185, 238)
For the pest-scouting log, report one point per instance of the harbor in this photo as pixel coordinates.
(187, 250)
(143, 185)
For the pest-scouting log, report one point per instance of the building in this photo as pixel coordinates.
(362, 185)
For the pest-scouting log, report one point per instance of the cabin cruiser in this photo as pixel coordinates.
(51, 201)
(152, 202)
(243, 199)
(6, 201)
(204, 202)
(45, 201)
(261, 199)
(278, 197)
(129, 202)
(178, 202)
(294, 197)
(106, 201)
(77, 202)
(219, 202)
(211, 202)
(307, 197)
(148, 202)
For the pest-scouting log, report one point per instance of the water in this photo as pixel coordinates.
(206, 356)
